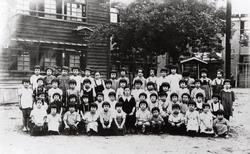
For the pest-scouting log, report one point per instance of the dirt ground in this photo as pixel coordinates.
(13, 140)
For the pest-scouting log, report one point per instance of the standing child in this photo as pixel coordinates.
(192, 119)
(156, 121)
(26, 102)
(197, 89)
(54, 89)
(54, 121)
(99, 101)
(176, 121)
(215, 104)
(140, 77)
(40, 88)
(88, 90)
(113, 79)
(185, 98)
(138, 89)
(123, 76)
(183, 88)
(76, 77)
(150, 89)
(217, 83)
(165, 105)
(120, 90)
(143, 118)
(57, 101)
(152, 77)
(71, 120)
(227, 99)
(72, 91)
(84, 105)
(64, 79)
(72, 99)
(87, 74)
(165, 88)
(174, 78)
(206, 84)
(38, 118)
(119, 119)
(190, 81)
(48, 78)
(112, 100)
(163, 78)
(107, 90)
(98, 83)
(90, 119)
(199, 102)
(174, 99)
(106, 120)
(221, 125)
(35, 76)
(206, 121)
(154, 102)
(142, 97)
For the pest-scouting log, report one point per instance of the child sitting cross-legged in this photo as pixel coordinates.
(176, 121)
(54, 121)
(71, 120)
(221, 125)
(143, 118)
(38, 119)
(192, 119)
(206, 121)
(106, 120)
(156, 121)
(119, 119)
(90, 118)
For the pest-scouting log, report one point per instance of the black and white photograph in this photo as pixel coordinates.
(124, 76)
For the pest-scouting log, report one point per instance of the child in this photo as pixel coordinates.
(106, 120)
(140, 77)
(163, 78)
(199, 102)
(174, 78)
(138, 89)
(165, 88)
(119, 119)
(112, 100)
(107, 90)
(197, 89)
(192, 119)
(176, 121)
(25, 103)
(38, 118)
(64, 80)
(87, 74)
(48, 78)
(88, 90)
(143, 118)
(35, 76)
(40, 87)
(54, 89)
(123, 76)
(76, 77)
(90, 119)
(54, 121)
(72, 99)
(41, 95)
(174, 99)
(72, 90)
(217, 83)
(85, 105)
(190, 81)
(227, 99)
(165, 105)
(71, 120)
(113, 79)
(122, 84)
(215, 104)
(221, 125)
(150, 89)
(152, 77)
(156, 121)
(206, 121)
(142, 97)
(185, 98)
(154, 102)
(98, 83)
(183, 88)
(99, 101)
(128, 106)
(57, 101)
(206, 84)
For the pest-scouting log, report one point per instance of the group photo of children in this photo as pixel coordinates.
(76, 102)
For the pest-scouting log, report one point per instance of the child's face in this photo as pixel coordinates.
(49, 72)
(122, 84)
(163, 73)
(142, 98)
(54, 84)
(108, 85)
(140, 74)
(203, 74)
(152, 73)
(185, 98)
(40, 82)
(113, 75)
(155, 113)
(174, 99)
(199, 99)
(87, 73)
(227, 85)
(56, 97)
(163, 98)
(37, 71)
(150, 87)
(137, 86)
(191, 107)
(197, 84)
(106, 108)
(97, 75)
(26, 84)
(153, 99)
(173, 71)
(87, 85)
(176, 110)
(93, 109)
(39, 104)
(112, 98)
(72, 109)
(143, 106)
(64, 72)
(123, 73)
(215, 100)
(119, 109)
(72, 86)
(219, 74)
(42, 96)
(72, 99)
(127, 92)
(53, 111)
(99, 98)
(206, 109)
(183, 85)
(220, 116)
(75, 71)
(165, 88)
(85, 99)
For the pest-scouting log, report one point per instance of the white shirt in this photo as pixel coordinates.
(160, 80)
(152, 79)
(52, 91)
(174, 81)
(78, 80)
(136, 92)
(54, 122)
(38, 115)
(106, 93)
(33, 80)
(26, 97)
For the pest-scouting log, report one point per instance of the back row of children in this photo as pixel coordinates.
(171, 103)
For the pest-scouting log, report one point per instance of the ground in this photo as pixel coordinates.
(13, 140)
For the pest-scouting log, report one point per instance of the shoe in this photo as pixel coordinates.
(25, 129)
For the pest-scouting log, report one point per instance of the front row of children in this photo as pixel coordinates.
(107, 122)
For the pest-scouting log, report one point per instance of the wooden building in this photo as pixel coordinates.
(53, 33)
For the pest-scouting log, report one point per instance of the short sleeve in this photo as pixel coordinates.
(137, 114)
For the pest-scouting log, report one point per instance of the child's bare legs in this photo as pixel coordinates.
(26, 118)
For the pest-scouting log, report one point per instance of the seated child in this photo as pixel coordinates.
(71, 120)
(156, 121)
(143, 118)
(199, 102)
(215, 104)
(119, 119)
(106, 120)
(185, 98)
(112, 100)
(206, 121)
(54, 121)
(221, 125)
(107, 90)
(99, 101)
(192, 119)
(176, 121)
(90, 118)
(38, 118)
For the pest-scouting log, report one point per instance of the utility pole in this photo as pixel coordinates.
(228, 37)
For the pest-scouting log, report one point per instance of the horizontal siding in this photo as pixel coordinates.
(97, 13)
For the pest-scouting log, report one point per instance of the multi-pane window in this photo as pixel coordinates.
(74, 61)
(114, 15)
(77, 10)
(23, 6)
(23, 61)
(50, 7)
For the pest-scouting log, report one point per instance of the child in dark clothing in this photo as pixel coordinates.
(156, 121)
(176, 121)
(88, 90)
(48, 78)
(221, 125)
(215, 104)
(199, 102)
(119, 119)
(57, 101)
(106, 120)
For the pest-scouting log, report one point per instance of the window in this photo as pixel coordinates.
(77, 10)
(50, 7)
(23, 61)
(74, 61)
(114, 15)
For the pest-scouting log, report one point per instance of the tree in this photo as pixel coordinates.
(149, 28)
